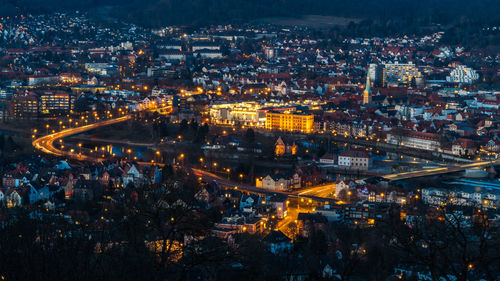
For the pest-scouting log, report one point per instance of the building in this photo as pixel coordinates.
(462, 74)
(205, 46)
(278, 242)
(55, 102)
(103, 69)
(358, 160)
(367, 93)
(328, 158)
(24, 105)
(173, 55)
(402, 73)
(35, 80)
(282, 148)
(278, 182)
(420, 140)
(208, 54)
(376, 72)
(243, 112)
(471, 193)
(290, 121)
(463, 146)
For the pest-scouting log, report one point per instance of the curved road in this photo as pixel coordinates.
(46, 143)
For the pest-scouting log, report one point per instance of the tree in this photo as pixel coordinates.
(250, 135)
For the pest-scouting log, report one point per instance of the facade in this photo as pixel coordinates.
(402, 73)
(282, 148)
(376, 72)
(24, 105)
(244, 112)
(205, 46)
(367, 93)
(293, 122)
(42, 80)
(462, 196)
(463, 74)
(420, 140)
(278, 182)
(358, 160)
(208, 54)
(58, 102)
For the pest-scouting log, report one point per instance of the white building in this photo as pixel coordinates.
(462, 196)
(463, 74)
(358, 160)
(278, 182)
(420, 140)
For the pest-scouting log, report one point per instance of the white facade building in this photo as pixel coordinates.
(462, 74)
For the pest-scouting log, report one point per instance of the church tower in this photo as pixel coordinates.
(367, 93)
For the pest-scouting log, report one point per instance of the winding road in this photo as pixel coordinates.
(46, 143)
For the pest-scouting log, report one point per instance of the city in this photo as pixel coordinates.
(289, 148)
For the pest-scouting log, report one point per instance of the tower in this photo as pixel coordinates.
(367, 93)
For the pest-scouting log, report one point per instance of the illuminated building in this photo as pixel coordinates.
(420, 140)
(58, 102)
(367, 93)
(290, 121)
(24, 105)
(245, 112)
(402, 73)
(70, 78)
(95, 89)
(280, 148)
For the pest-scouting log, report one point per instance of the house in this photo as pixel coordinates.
(310, 223)
(309, 175)
(13, 198)
(463, 146)
(328, 158)
(278, 242)
(358, 160)
(279, 202)
(131, 174)
(282, 148)
(278, 182)
(493, 145)
(330, 213)
(248, 201)
(208, 193)
(344, 185)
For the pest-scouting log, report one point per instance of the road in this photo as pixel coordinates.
(312, 193)
(441, 170)
(46, 143)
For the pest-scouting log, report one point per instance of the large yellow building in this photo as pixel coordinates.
(294, 122)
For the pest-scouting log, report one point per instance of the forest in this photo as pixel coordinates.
(193, 12)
